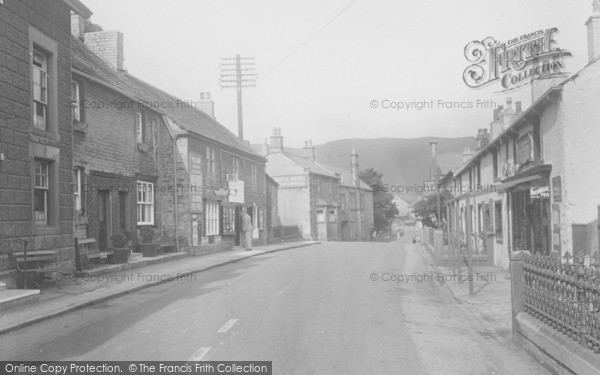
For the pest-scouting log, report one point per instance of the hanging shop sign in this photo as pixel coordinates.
(539, 192)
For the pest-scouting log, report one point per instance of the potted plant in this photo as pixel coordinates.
(121, 246)
(148, 247)
(167, 244)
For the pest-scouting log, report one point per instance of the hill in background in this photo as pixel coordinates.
(403, 162)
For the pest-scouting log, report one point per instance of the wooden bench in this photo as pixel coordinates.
(90, 253)
(40, 263)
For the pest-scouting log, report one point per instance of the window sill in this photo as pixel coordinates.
(44, 133)
(45, 230)
(144, 225)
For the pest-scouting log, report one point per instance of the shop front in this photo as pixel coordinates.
(530, 210)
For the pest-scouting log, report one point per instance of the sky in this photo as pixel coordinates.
(324, 65)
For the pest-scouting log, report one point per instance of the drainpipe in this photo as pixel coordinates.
(175, 205)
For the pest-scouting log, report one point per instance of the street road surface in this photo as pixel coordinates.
(314, 310)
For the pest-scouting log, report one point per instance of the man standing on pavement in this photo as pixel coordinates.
(247, 228)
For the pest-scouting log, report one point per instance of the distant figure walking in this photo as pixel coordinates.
(247, 228)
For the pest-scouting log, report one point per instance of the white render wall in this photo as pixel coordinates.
(579, 115)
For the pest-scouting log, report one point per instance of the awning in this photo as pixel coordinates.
(505, 186)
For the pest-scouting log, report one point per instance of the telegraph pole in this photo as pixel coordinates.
(434, 176)
(238, 73)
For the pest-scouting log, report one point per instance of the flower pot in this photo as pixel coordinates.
(149, 249)
(122, 255)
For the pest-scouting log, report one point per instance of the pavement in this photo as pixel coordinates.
(105, 282)
(490, 302)
(332, 308)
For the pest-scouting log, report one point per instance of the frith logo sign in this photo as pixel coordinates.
(515, 62)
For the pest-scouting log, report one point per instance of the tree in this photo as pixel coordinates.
(384, 210)
(427, 208)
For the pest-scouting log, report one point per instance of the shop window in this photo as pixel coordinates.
(145, 203)
(211, 213)
(228, 220)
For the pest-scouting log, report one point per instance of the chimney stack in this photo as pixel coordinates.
(309, 150)
(108, 45)
(593, 31)
(483, 138)
(77, 26)
(276, 146)
(467, 154)
(206, 104)
(265, 148)
(496, 124)
(354, 171)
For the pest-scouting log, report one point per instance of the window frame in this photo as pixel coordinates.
(253, 173)
(76, 112)
(139, 127)
(78, 192)
(211, 160)
(332, 217)
(145, 203)
(212, 218)
(236, 166)
(44, 88)
(43, 187)
(321, 215)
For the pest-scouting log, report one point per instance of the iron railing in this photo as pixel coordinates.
(565, 295)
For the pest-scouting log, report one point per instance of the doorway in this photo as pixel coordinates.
(103, 217)
(238, 225)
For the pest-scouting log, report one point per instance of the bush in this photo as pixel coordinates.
(121, 240)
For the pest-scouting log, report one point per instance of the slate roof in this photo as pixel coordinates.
(345, 176)
(185, 117)
(309, 164)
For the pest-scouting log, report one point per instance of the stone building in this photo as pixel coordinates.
(149, 159)
(327, 203)
(542, 167)
(115, 144)
(272, 203)
(36, 132)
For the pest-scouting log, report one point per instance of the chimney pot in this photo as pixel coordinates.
(593, 31)
(309, 150)
(206, 105)
(518, 107)
(276, 145)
